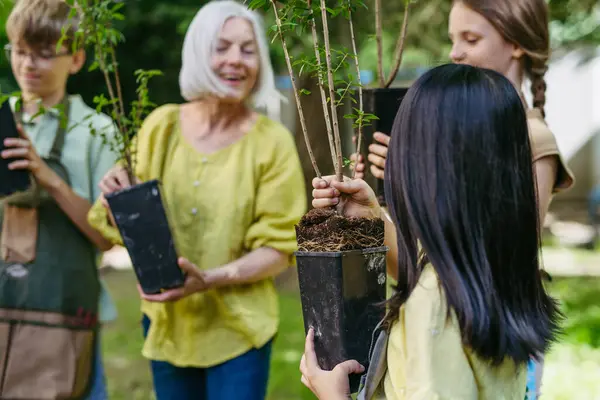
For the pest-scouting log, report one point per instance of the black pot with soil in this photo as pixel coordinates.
(142, 219)
(383, 103)
(342, 278)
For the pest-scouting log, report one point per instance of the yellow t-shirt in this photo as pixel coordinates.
(222, 205)
(426, 359)
(543, 144)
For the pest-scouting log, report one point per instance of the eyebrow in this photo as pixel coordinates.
(466, 32)
(247, 42)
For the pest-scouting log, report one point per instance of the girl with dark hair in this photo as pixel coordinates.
(469, 309)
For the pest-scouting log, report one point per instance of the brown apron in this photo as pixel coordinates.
(48, 302)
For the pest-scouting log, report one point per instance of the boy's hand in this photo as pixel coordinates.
(326, 385)
(22, 149)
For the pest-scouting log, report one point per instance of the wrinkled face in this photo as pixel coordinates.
(235, 59)
(475, 41)
(43, 72)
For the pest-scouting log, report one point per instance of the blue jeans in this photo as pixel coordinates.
(531, 392)
(242, 378)
(594, 206)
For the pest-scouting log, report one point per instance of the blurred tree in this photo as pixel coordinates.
(154, 31)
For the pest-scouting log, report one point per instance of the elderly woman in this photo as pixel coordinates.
(233, 184)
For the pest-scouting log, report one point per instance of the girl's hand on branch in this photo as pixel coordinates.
(377, 156)
(355, 197)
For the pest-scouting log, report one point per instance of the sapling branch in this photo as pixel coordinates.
(96, 30)
(399, 45)
(313, 26)
(334, 120)
(115, 67)
(360, 92)
(379, 40)
(288, 62)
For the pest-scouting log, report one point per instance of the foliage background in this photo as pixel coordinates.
(154, 31)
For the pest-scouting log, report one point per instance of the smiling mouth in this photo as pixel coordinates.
(233, 78)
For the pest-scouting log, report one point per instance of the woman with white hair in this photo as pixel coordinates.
(233, 185)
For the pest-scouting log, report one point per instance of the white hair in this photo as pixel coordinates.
(197, 79)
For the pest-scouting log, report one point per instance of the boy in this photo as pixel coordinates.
(48, 230)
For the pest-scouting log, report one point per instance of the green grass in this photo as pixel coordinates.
(572, 367)
(128, 373)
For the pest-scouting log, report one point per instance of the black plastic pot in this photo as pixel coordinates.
(17, 180)
(383, 103)
(341, 296)
(141, 216)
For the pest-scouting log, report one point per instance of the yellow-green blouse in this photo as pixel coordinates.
(426, 359)
(222, 205)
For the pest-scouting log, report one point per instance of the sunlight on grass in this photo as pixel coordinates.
(573, 365)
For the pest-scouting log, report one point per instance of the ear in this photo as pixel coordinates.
(517, 52)
(78, 61)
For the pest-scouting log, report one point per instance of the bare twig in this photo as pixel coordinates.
(379, 39)
(115, 66)
(129, 153)
(360, 92)
(288, 61)
(399, 46)
(321, 87)
(334, 120)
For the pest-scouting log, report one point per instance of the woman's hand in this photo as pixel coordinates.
(195, 281)
(326, 385)
(27, 158)
(116, 179)
(355, 197)
(377, 156)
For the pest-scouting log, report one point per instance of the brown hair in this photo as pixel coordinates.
(39, 23)
(524, 23)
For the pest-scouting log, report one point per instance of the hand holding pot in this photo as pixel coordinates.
(116, 179)
(377, 156)
(355, 197)
(326, 385)
(195, 281)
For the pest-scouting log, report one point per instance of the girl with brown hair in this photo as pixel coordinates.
(510, 37)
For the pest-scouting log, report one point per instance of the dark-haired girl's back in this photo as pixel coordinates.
(426, 358)
(469, 309)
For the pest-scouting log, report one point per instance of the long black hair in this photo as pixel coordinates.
(461, 191)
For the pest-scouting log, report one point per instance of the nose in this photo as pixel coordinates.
(29, 61)
(457, 54)
(234, 56)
